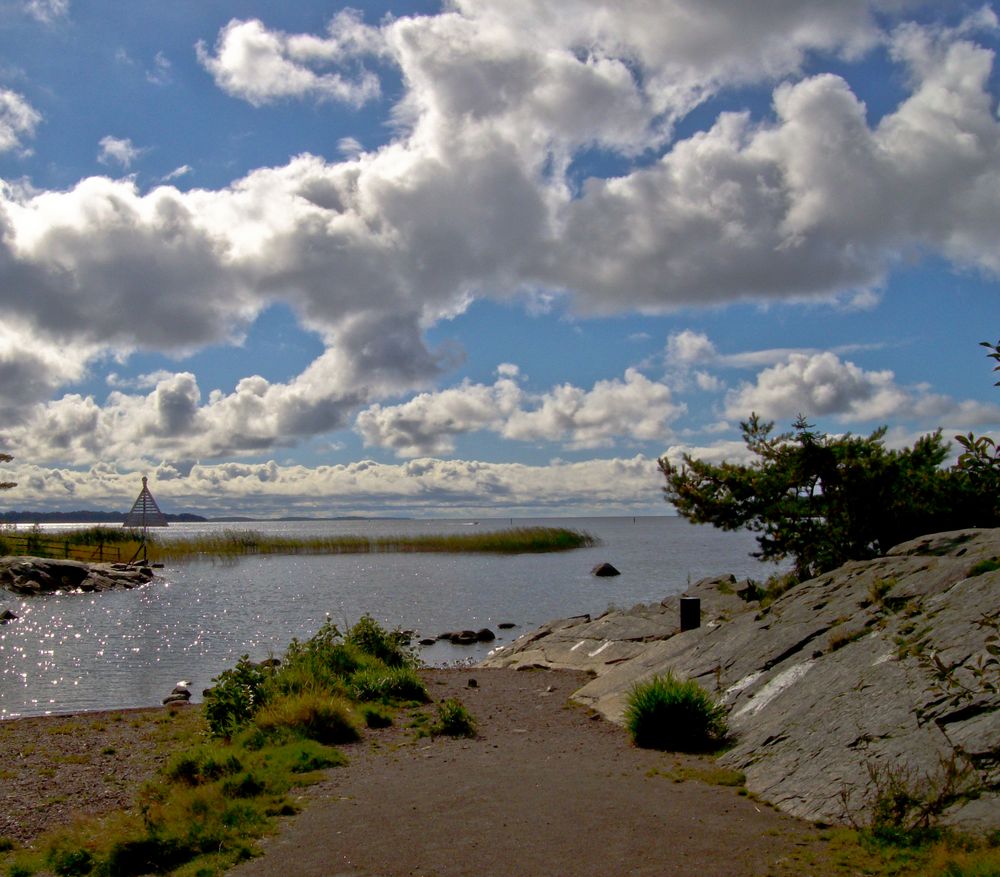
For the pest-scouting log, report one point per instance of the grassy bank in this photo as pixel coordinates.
(87, 544)
(264, 730)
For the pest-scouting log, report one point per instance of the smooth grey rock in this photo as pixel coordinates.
(826, 681)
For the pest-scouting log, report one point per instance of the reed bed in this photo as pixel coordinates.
(239, 543)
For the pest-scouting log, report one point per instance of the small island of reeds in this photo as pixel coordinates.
(107, 543)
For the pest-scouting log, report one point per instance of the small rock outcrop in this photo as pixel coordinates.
(43, 575)
(834, 677)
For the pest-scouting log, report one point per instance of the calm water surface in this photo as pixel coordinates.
(72, 652)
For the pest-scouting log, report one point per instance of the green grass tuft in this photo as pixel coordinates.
(389, 685)
(453, 720)
(679, 716)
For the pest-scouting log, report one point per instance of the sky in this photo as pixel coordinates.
(482, 257)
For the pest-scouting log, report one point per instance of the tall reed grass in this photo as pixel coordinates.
(230, 544)
(238, 543)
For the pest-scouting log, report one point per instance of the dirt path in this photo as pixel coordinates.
(544, 789)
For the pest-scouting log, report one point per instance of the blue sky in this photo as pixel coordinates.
(490, 257)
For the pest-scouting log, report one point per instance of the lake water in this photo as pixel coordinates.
(73, 652)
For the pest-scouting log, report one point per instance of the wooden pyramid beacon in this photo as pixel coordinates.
(145, 512)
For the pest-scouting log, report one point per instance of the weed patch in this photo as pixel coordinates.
(991, 564)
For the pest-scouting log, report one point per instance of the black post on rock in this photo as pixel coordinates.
(690, 613)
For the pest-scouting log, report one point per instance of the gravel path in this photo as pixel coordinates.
(544, 789)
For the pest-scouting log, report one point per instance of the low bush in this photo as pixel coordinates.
(388, 646)
(237, 694)
(680, 716)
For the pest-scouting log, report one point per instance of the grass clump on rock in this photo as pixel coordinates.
(676, 715)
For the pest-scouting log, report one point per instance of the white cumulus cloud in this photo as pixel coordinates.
(118, 150)
(634, 409)
(824, 385)
(262, 66)
(18, 120)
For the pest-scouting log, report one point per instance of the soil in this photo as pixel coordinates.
(545, 788)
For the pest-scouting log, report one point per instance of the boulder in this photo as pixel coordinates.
(605, 569)
(506, 625)
(464, 637)
(6, 616)
(485, 635)
(833, 679)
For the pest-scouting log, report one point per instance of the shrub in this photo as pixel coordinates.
(667, 713)
(238, 693)
(389, 646)
(313, 715)
(323, 659)
(454, 720)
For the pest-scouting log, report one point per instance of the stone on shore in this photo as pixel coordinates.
(30, 576)
(832, 678)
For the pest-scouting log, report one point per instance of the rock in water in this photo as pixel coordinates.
(605, 569)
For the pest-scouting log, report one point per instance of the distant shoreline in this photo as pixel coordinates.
(96, 517)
